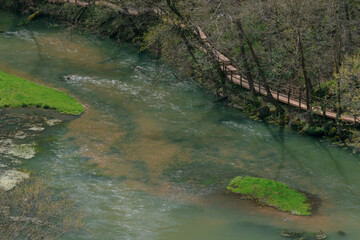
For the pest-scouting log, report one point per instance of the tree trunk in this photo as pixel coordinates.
(338, 104)
(305, 74)
(346, 22)
(188, 46)
(173, 8)
(195, 34)
(245, 59)
(261, 72)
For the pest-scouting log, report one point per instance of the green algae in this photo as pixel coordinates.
(16, 92)
(271, 193)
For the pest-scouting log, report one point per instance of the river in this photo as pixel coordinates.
(152, 154)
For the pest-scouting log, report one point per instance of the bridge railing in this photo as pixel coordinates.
(320, 105)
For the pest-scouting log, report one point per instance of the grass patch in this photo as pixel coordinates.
(16, 92)
(271, 193)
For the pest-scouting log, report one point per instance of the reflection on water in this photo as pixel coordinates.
(151, 156)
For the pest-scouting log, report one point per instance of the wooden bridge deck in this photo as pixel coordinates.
(232, 74)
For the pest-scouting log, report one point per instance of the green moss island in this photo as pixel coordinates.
(271, 193)
(16, 92)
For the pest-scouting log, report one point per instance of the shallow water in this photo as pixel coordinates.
(151, 156)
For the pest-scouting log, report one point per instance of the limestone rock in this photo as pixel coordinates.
(10, 178)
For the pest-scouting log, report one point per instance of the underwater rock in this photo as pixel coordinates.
(287, 233)
(70, 77)
(53, 122)
(320, 235)
(25, 151)
(37, 128)
(20, 135)
(297, 235)
(10, 178)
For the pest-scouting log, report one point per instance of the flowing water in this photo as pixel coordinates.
(151, 156)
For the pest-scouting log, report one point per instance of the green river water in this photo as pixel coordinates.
(151, 156)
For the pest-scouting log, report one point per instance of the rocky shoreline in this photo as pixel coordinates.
(19, 130)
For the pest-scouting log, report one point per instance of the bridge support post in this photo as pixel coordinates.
(324, 107)
(289, 93)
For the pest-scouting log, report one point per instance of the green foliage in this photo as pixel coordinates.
(271, 193)
(155, 34)
(349, 79)
(16, 92)
(316, 131)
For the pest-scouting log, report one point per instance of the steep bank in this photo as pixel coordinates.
(97, 19)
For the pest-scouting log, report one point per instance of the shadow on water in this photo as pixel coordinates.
(334, 160)
(279, 137)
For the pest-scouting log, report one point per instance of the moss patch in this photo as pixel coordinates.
(16, 92)
(271, 193)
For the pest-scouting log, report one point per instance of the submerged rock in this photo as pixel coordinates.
(53, 122)
(10, 178)
(37, 129)
(299, 235)
(20, 135)
(25, 151)
(320, 235)
(287, 233)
